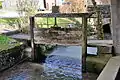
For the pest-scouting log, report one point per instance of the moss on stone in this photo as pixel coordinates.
(7, 43)
(96, 63)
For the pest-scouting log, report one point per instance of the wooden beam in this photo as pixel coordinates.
(84, 43)
(62, 14)
(32, 24)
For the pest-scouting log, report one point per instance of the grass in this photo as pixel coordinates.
(7, 43)
(51, 20)
(63, 22)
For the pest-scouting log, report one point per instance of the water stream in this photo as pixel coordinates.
(64, 63)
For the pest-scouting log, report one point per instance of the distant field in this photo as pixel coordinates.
(48, 22)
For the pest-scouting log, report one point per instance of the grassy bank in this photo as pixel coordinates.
(48, 22)
(7, 43)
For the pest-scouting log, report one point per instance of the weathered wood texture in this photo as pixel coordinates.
(58, 36)
(115, 7)
(32, 24)
(64, 34)
(63, 14)
(84, 43)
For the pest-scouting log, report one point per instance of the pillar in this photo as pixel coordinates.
(84, 43)
(115, 23)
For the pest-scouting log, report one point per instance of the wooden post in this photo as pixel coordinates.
(32, 24)
(84, 43)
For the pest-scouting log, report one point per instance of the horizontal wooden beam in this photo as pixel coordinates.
(58, 43)
(62, 14)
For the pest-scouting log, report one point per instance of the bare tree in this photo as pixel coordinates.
(26, 8)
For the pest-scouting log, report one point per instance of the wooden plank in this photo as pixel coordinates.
(100, 42)
(100, 45)
(68, 34)
(94, 16)
(21, 36)
(62, 14)
(32, 24)
(84, 43)
(56, 43)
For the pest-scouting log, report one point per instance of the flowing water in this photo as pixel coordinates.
(64, 63)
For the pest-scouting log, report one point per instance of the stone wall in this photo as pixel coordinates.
(115, 19)
(11, 56)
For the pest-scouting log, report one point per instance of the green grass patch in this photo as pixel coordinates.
(7, 43)
(51, 20)
(9, 20)
(48, 22)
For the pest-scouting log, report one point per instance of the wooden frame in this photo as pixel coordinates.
(84, 31)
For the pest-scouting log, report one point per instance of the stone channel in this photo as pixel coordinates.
(61, 64)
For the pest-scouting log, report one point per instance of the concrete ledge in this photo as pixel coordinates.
(95, 64)
(8, 33)
(110, 70)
